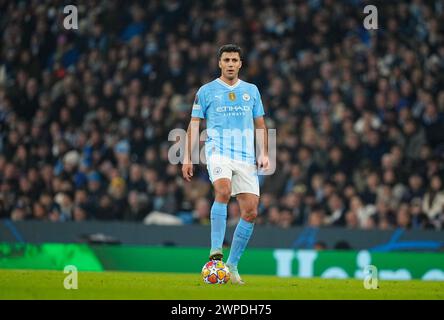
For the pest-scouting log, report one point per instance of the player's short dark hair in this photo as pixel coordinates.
(229, 48)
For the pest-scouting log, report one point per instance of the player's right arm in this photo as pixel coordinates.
(192, 138)
(191, 142)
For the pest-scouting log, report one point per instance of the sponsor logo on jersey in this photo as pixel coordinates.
(233, 109)
(217, 171)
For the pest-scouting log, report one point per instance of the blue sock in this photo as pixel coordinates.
(241, 236)
(218, 224)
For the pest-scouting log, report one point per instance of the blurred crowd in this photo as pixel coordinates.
(85, 114)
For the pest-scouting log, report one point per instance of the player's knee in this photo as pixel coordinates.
(223, 194)
(250, 215)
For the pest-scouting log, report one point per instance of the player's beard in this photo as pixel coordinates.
(231, 76)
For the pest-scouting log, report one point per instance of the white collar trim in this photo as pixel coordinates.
(227, 85)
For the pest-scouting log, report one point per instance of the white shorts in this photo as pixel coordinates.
(243, 175)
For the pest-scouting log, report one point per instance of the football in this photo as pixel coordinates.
(215, 271)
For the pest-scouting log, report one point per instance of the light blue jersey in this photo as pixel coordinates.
(230, 112)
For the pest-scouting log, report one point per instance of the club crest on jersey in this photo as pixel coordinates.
(246, 97)
(232, 96)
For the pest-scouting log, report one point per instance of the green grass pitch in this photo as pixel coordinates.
(31, 284)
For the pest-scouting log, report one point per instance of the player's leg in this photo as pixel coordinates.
(220, 173)
(248, 204)
(245, 185)
(218, 216)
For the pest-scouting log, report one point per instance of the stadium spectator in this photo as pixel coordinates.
(201, 213)
(434, 198)
(316, 217)
(336, 211)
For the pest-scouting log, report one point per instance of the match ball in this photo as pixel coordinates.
(215, 271)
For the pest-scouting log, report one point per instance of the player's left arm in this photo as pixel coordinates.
(262, 142)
